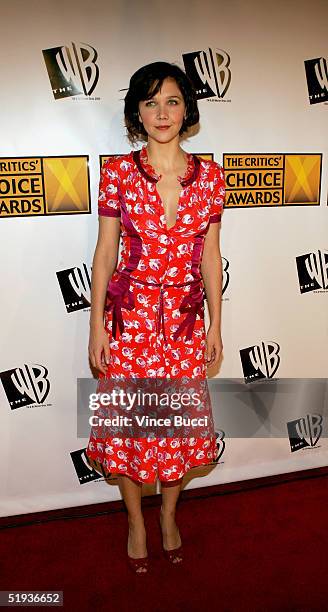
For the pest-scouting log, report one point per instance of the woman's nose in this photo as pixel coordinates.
(161, 111)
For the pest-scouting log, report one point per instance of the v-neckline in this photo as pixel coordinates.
(169, 229)
(180, 180)
(192, 169)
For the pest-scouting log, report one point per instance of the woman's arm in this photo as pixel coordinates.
(103, 266)
(211, 270)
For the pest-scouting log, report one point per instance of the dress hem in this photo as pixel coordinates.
(132, 475)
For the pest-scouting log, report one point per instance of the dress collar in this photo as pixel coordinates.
(141, 159)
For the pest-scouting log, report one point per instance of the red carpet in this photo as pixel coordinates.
(263, 548)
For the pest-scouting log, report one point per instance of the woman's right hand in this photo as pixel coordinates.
(99, 350)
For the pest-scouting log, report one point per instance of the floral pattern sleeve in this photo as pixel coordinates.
(108, 199)
(218, 195)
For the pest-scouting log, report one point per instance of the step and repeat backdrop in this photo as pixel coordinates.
(260, 71)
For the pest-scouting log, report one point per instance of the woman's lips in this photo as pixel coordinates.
(162, 127)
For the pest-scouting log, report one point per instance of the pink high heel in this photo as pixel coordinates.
(174, 555)
(138, 566)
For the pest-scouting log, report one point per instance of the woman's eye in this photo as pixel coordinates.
(153, 103)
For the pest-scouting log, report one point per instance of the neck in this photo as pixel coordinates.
(165, 156)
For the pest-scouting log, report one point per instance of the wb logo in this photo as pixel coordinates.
(304, 432)
(75, 285)
(209, 71)
(84, 471)
(220, 443)
(25, 386)
(260, 361)
(225, 274)
(72, 70)
(312, 270)
(317, 79)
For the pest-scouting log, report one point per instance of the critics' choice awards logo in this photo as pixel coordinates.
(26, 385)
(304, 432)
(34, 186)
(75, 285)
(260, 361)
(312, 270)
(280, 179)
(317, 79)
(209, 71)
(72, 70)
(84, 471)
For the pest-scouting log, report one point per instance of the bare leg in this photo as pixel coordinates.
(170, 530)
(131, 493)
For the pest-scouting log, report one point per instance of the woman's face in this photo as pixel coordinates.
(162, 115)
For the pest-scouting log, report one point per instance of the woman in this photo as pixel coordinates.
(167, 204)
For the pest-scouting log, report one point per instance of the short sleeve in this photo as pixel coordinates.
(218, 195)
(108, 199)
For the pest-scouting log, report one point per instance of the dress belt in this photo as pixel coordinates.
(119, 295)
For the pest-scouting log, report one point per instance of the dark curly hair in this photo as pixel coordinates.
(145, 83)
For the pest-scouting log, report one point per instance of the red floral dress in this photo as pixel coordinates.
(154, 312)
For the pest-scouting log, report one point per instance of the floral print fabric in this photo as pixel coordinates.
(154, 312)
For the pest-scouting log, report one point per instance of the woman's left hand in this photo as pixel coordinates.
(214, 346)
